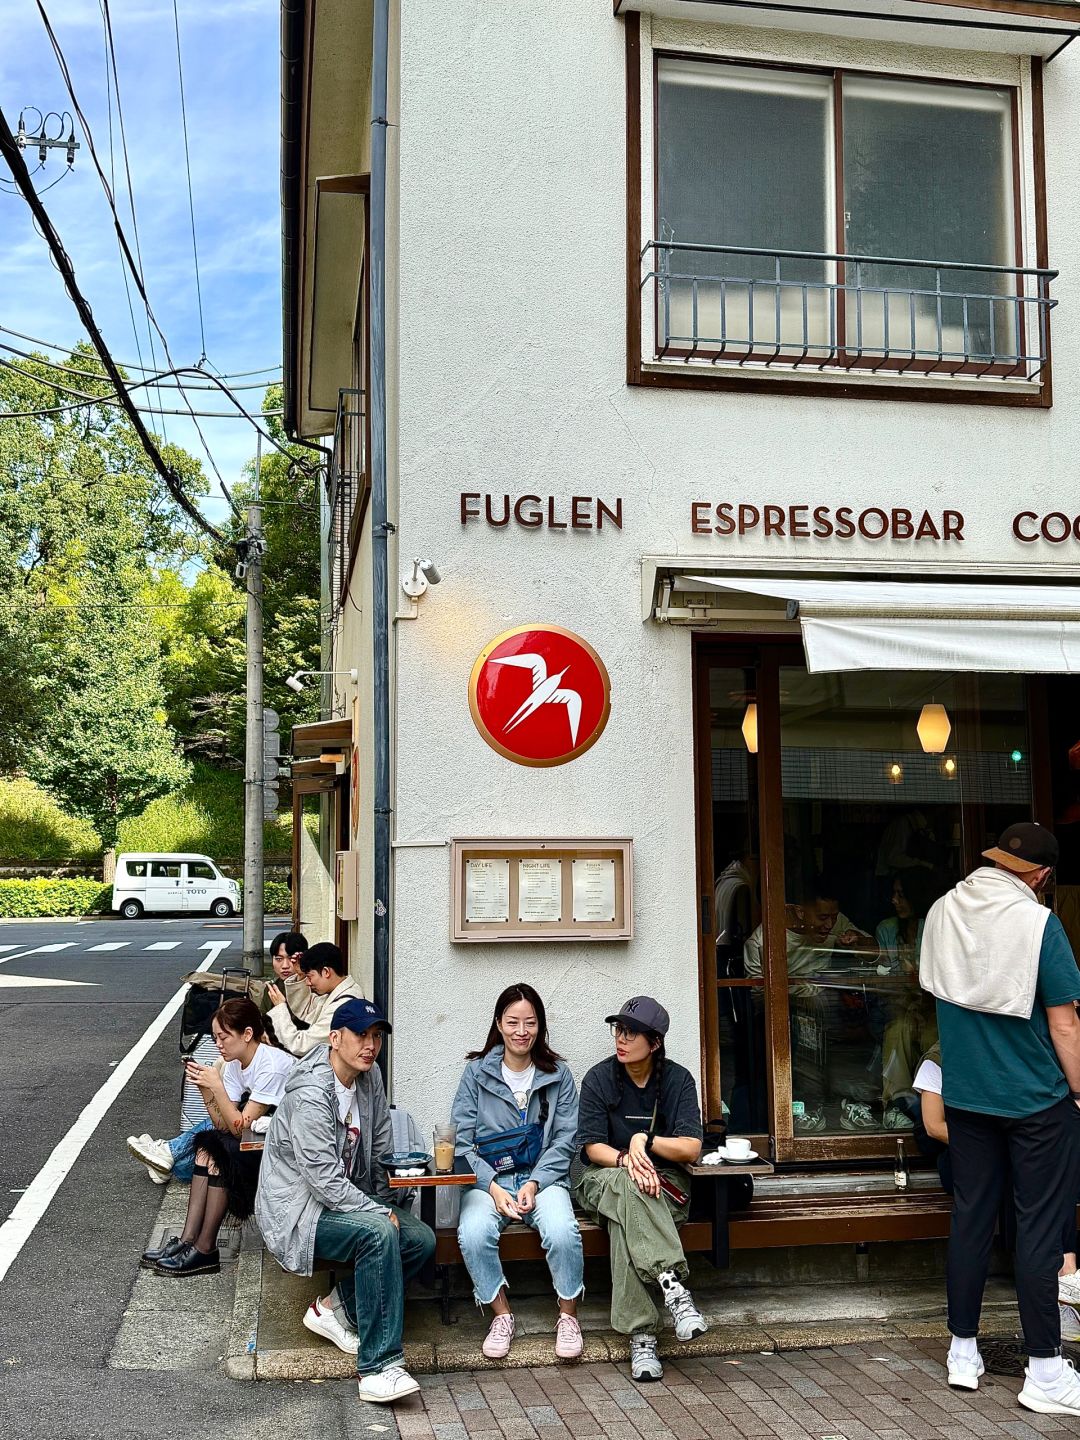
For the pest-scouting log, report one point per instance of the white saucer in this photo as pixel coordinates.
(736, 1160)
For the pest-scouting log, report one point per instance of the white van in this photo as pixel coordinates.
(185, 884)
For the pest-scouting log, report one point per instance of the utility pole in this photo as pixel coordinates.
(251, 565)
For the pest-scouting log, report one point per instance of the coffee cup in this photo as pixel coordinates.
(737, 1149)
(444, 1142)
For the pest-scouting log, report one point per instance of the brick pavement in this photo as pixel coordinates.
(881, 1391)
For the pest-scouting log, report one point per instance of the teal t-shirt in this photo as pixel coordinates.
(1002, 1065)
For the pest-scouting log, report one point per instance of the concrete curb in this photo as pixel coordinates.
(241, 1355)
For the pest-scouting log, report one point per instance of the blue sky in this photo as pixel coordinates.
(230, 52)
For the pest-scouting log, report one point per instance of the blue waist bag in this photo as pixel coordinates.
(509, 1152)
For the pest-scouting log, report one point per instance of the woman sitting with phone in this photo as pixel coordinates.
(516, 1114)
(248, 1085)
(639, 1123)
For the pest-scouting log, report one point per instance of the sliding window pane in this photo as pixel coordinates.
(745, 158)
(928, 175)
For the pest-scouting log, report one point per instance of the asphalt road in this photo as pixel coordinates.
(62, 1300)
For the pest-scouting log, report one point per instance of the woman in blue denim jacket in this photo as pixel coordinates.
(516, 1080)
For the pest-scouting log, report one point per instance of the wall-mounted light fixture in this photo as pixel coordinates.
(948, 768)
(894, 773)
(416, 581)
(749, 727)
(296, 680)
(933, 729)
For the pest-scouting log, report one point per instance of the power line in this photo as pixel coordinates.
(136, 270)
(17, 166)
(145, 369)
(187, 161)
(97, 375)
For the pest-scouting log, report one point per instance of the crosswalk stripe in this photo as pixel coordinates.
(51, 949)
(111, 945)
(164, 945)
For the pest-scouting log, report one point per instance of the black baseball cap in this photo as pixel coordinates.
(1024, 847)
(642, 1013)
(358, 1016)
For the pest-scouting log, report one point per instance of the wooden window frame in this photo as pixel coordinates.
(682, 376)
(766, 656)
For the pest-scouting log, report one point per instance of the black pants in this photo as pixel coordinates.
(1043, 1151)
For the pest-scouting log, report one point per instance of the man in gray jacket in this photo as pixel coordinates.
(322, 1192)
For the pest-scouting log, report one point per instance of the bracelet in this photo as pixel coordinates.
(620, 1157)
(1074, 1094)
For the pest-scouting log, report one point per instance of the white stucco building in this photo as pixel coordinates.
(763, 298)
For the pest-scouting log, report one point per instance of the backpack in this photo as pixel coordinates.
(206, 994)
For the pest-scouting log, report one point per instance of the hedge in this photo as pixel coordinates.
(27, 899)
(24, 899)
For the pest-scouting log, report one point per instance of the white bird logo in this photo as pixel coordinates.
(546, 691)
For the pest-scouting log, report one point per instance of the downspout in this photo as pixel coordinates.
(381, 527)
(292, 78)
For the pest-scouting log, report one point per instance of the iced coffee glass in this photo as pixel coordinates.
(444, 1143)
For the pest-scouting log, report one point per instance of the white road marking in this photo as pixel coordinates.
(164, 945)
(109, 945)
(20, 1224)
(50, 949)
(9, 947)
(17, 981)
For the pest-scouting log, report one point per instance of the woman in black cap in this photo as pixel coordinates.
(639, 1123)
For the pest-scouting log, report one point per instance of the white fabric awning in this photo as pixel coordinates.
(910, 625)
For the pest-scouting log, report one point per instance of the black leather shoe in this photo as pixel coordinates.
(151, 1257)
(188, 1261)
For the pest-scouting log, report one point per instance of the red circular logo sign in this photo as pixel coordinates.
(540, 695)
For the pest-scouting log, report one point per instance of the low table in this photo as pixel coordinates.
(722, 1175)
(428, 1184)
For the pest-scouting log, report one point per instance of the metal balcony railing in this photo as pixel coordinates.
(346, 482)
(731, 304)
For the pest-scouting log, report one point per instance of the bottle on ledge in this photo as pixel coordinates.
(900, 1171)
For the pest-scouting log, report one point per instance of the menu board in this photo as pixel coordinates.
(505, 889)
(594, 891)
(487, 890)
(540, 890)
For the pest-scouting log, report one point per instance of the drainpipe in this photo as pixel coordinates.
(381, 526)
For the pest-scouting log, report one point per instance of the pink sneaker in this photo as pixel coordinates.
(496, 1345)
(568, 1341)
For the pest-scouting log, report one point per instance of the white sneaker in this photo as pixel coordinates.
(856, 1116)
(153, 1153)
(1069, 1289)
(1061, 1398)
(496, 1344)
(391, 1384)
(644, 1361)
(688, 1319)
(1070, 1323)
(157, 1178)
(965, 1374)
(897, 1119)
(321, 1319)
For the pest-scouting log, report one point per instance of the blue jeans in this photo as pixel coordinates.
(183, 1149)
(480, 1226)
(384, 1260)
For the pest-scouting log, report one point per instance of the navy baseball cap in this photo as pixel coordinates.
(358, 1016)
(642, 1013)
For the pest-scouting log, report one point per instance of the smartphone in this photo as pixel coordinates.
(674, 1194)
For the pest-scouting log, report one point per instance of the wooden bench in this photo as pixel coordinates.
(768, 1221)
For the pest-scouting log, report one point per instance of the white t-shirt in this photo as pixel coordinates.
(264, 1078)
(928, 1077)
(347, 1111)
(520, 1083)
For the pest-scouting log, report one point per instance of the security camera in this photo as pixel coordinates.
(416, 581)
(295, 683)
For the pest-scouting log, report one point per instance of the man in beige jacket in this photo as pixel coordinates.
(326, 973)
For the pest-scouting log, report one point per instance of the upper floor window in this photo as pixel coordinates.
(834, 219)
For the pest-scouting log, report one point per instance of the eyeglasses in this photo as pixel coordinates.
(622, 1033)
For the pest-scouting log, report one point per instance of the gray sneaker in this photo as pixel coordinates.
(856, 1116)
(810, 1122)
(688, 1319)
(644, 1361)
